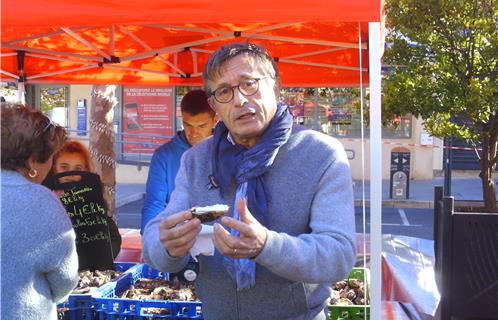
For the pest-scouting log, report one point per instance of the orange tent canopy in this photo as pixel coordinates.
(315, 42)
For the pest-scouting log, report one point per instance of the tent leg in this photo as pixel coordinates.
(21, 92)
(374, 49)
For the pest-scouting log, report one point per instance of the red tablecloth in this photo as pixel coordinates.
(131, 251)
(131, 246)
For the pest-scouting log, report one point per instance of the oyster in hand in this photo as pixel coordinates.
(209, 213)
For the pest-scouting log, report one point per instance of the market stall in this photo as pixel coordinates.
(315, 43)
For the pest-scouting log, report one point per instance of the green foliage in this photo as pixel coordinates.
(51, 98)
(445, 55)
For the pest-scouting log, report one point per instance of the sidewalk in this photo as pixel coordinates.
(421, 192)
(129, 192)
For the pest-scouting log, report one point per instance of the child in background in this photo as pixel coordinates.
(74, 156)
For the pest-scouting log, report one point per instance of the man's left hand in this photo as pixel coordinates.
(252, 237)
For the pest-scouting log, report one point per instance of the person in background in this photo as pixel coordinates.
(198, 123)
(38, 261)
(290, 232)
(74, 156)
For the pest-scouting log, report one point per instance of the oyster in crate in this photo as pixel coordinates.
(209, 213)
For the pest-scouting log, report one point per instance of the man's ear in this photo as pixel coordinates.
(212, 104)
(276, 88)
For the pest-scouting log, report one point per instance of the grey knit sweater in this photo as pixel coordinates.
(310, 242)
(39, 264)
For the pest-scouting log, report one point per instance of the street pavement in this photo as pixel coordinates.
(410, 222)
(421, 192)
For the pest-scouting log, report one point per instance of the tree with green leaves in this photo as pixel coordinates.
(444, 56)
(52, 97)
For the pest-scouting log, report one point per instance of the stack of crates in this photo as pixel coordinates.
(80, 306)
(109, 306)
(355, 312)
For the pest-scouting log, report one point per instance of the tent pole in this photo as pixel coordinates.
(316, 105)
(45, 35)
(174, 48)
(375, 169)
(321, 65)
(21, 92)
(43, 56)
(217, 31)
(305, 41)
(9, 74)
(49, 74)
(313, 53)
(52, 52)
(147, 47)
(112, 44)
(75, 36)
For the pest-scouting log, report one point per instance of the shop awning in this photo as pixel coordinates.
(316, 42)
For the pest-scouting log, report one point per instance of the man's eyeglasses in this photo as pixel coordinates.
(248, 87)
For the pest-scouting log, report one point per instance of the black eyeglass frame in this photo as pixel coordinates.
(213, 93)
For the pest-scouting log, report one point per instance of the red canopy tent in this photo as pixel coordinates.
(317, 43)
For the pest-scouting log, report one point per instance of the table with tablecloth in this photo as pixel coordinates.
(408, 284)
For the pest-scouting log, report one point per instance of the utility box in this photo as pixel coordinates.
(400, 174)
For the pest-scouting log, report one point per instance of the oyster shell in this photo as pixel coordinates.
(209, 213)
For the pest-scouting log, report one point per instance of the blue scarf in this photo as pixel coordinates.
(247, 167)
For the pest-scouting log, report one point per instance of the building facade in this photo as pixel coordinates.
(144, 118)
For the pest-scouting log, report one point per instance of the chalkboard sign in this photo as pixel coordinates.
(86, 208)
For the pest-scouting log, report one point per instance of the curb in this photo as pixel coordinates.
(417, 204)
(128, 199)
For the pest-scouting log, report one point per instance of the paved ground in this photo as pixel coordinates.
(400, 221)
(421, 192)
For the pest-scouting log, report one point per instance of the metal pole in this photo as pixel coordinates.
(316, 97)
(447, 166)
(374, 50)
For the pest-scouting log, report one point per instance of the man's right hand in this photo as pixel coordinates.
(178, 233)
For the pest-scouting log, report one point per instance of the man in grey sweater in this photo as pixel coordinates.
(290, 231)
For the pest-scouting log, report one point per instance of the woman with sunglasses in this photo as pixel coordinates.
(38, 261)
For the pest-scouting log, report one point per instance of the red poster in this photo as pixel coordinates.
(147, 118)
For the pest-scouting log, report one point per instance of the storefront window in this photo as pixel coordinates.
(8, 92)
(54, 101)
(401, 129)
(336, 112)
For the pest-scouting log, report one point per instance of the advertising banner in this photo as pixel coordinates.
(295, 101)
(340, 116)
(81, 113)
(341, 109)
(147, 111)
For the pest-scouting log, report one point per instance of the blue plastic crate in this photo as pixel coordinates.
(108, 305)
(80, 306)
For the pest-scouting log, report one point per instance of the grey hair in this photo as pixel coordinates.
(212, 68)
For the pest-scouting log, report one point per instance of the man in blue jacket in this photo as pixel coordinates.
(198, 123)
